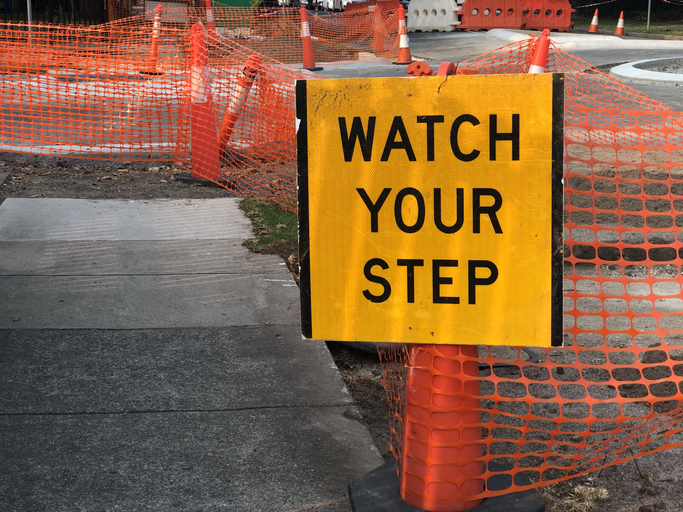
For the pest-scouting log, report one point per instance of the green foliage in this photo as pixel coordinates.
(633, 10)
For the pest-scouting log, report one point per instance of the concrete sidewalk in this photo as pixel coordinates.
(148, 361)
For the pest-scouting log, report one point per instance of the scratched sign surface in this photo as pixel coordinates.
(430, 209)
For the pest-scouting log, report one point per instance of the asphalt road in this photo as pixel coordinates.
(602, 51)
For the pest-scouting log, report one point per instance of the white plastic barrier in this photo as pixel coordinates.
(429, 15)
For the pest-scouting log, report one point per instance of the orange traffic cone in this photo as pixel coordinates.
(237, 99)
(205, 162)
(402, 18)
(441, 468)
(306, 43)
(154, 45)
(404, 56)
(539, 61)
(620, 25)
(593, 29)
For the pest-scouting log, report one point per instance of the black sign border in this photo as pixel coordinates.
(302, 208)
(557, 201)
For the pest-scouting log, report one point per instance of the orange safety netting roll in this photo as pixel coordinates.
(613, 391)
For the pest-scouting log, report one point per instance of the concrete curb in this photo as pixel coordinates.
(643, 35)
(586, 42)
(629, 72)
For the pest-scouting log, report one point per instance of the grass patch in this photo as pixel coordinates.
(275, 230)
(670, 28)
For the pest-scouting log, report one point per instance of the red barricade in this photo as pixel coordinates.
(550, 14)
(488, 14)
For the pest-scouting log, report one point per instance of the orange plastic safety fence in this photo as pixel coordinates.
(613, 391)
(361, 35)
(92, 92)
(255, 105)
(345, 36)
(125, 89)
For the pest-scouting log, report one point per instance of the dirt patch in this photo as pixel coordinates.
(652, 483)
(43, 176)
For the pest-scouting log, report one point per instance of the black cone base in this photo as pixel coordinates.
(377, 491)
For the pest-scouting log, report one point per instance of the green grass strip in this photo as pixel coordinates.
(275, 230)
(634, 26)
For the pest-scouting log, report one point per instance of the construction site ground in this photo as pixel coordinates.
(150, 362)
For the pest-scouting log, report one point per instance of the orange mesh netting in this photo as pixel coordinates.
(360, 34)
(258, 157)
(90, 92)
(347, 36)
(123, 89)
(613, 391)
(610, 394)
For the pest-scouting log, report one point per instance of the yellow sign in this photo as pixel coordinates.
(430, 209)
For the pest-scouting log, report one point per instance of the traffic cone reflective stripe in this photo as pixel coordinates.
(620, 25)
(307, 43)
(404, 56)
(205, 162)
(401, 19)
(157, 20)
(593, 29)
(539, 61)
(238, 99)
(199, 92)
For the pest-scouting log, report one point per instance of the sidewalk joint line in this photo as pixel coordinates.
(177, 411)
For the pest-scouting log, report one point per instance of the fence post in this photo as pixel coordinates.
(205, 160)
